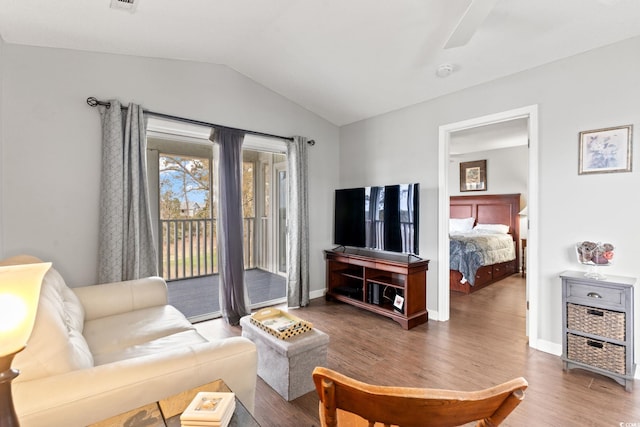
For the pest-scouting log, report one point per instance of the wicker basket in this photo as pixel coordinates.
(601, 354)
(270, 319)
(596, 321)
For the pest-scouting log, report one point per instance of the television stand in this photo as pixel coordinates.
(392, 285)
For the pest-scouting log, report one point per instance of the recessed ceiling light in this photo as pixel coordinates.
(445, 70)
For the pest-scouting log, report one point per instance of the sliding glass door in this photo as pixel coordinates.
(183, 177)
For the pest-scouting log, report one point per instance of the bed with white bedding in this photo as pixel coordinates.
(484, 238)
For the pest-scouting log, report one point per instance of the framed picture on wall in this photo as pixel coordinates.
(473, 176)
(605, 150)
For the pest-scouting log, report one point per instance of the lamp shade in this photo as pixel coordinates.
(19, 295)
(524, 211)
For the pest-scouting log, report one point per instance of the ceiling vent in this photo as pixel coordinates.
(129, 5)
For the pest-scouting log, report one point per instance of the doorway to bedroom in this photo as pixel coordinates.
(505, 144)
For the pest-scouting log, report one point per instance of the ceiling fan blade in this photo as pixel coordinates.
(477, 11)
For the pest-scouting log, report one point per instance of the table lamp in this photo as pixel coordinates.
(524, 224)
(19, 295)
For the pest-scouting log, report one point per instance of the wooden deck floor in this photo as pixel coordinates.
(197, 298)
(483, 344)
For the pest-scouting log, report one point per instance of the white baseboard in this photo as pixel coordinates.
(317, 294)
(434, 315)
(548, 347)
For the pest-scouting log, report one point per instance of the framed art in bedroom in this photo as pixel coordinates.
(605, 150)
(473, 176)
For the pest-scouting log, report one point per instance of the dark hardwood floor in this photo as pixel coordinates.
(483, 344)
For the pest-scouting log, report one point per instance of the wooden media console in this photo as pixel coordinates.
(392, 285)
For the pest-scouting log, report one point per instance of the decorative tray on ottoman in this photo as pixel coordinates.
(279, 323)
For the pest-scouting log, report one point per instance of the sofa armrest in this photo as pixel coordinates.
(82, 397)
(120, 297)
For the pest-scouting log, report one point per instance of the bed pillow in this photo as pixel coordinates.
(461, 225)
(492, 228)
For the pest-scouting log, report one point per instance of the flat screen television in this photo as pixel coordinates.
(383, 218)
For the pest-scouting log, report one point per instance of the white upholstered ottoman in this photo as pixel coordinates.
(286, 365)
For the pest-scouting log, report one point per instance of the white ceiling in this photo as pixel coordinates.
(510, 133)
(345, 60)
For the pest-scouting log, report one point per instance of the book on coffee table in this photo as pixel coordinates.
(209, 409)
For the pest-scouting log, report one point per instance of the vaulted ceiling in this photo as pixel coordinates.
(345, 60)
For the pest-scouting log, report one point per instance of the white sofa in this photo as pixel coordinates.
(97, 351)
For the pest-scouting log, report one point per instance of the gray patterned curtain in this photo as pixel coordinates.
(234, 299)
(126, 248)
(298, 224)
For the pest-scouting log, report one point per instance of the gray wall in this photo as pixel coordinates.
(593, 90)
(51, 143)
(50, 156)
(507, 171)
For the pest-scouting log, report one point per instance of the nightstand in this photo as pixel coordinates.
(597, 325)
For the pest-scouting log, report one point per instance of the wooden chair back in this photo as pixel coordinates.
(342, 397)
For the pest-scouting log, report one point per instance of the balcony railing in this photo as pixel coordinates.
(189, 247)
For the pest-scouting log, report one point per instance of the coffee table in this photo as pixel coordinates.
(166, 412)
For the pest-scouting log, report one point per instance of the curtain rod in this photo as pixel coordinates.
(94, 102)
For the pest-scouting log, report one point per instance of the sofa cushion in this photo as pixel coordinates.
(169, 343)
(55, 345)
(113, 334)
(71, 310)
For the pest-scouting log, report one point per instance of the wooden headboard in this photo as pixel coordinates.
(490, 209)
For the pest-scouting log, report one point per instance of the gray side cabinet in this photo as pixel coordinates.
(597, 325)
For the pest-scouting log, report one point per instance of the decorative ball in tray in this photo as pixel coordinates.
(594, 254)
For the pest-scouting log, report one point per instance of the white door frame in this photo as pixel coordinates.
(277, 169)
(530, 112)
